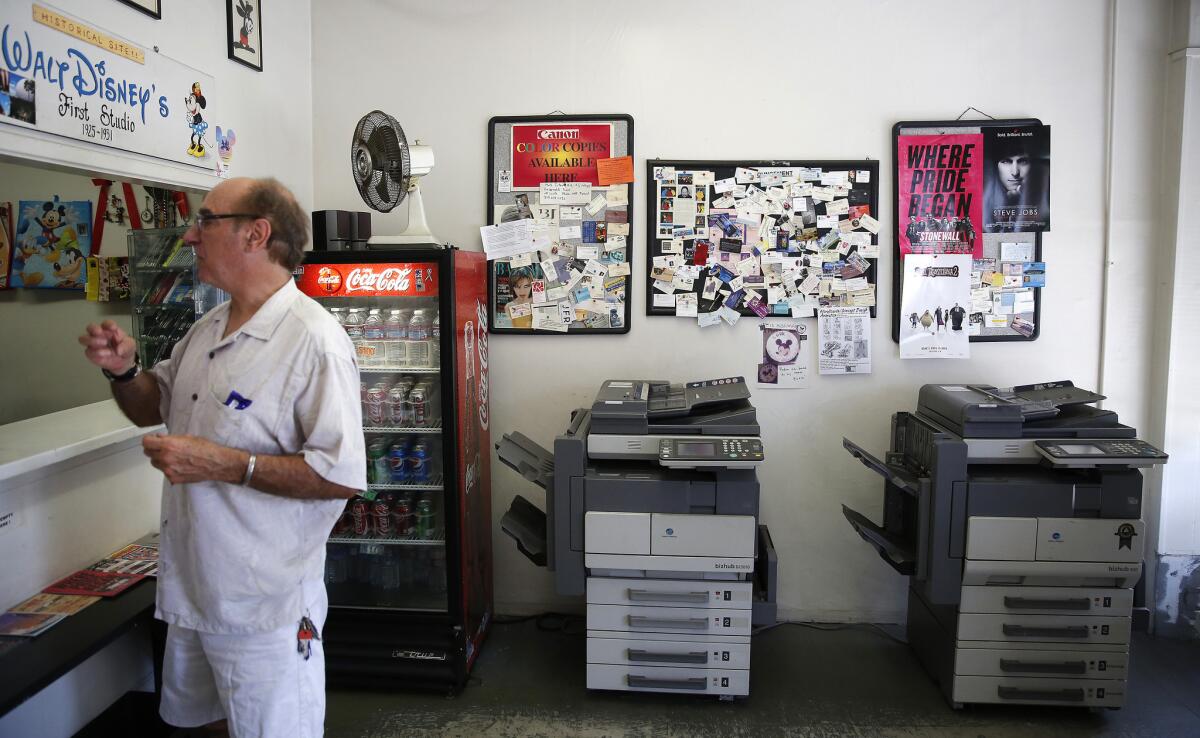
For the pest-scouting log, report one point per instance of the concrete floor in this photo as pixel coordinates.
(805, 682)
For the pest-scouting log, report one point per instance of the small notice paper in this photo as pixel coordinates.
(507, 239)
(618, 170)
(564, 193)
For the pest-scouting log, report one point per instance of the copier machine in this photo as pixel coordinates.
(1016, 514)
(652, 506)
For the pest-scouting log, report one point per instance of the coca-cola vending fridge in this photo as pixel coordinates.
(409, 565)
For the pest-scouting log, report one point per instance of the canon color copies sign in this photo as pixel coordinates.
(66, 76)
(562, 152)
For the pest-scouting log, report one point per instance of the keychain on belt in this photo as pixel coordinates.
(305, 636)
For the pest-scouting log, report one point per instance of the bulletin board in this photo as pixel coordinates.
(948, 199)
(760, 238)
(558, 171)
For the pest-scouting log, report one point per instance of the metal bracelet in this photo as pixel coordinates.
(249, 470)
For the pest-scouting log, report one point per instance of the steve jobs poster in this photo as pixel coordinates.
(1016, 179)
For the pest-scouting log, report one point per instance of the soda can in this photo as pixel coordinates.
(362, 517)
(402, 517)
(398, 463)
(418, 463)
(396, 410)
(381, 515)
(418, 401)
(425, 520)
(380, 468)
(373, 410)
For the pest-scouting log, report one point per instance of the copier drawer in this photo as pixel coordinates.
(669, 592)
(695, 620)
(698, 654)
(1047, 600)
(1041, 663)
(734, 682)
(1047, 628)
(1027, 691)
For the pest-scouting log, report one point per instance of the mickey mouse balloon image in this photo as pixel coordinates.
(781, 352)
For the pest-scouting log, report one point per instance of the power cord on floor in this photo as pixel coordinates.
(833, 626)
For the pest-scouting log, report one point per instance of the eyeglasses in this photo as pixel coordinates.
(206, 220)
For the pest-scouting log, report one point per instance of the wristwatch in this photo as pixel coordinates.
(124, 377)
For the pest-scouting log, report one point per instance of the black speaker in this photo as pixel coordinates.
(360, 230)
(332, 230)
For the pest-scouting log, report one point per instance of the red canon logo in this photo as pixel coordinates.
(329, 279)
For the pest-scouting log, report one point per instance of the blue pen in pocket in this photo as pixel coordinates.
(236, 401)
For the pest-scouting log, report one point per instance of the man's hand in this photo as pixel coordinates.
(109, 347)
(185, 459)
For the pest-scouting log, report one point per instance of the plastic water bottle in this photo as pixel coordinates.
(373, 332)
(354, 329)
(435, 344)
(418, 339)
(395, 330)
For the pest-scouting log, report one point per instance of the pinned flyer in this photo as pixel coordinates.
(784, 363)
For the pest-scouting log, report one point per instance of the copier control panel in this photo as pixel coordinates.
(728, 452)
(1086, 453)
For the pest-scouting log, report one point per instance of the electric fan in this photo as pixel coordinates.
(386, 169)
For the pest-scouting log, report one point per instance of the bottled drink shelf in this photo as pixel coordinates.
(433, 485)
(435, 427)
(400, 369)
(411, 539)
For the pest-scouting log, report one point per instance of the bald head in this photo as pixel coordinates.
(268, 198)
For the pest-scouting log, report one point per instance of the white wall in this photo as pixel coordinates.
(444, 70)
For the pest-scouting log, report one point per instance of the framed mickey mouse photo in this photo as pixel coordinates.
(243, 30)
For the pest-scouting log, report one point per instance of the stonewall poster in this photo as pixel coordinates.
(940, 188)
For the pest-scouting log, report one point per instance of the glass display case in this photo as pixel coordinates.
(166, 296)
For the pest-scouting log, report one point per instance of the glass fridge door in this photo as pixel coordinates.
(388, 550)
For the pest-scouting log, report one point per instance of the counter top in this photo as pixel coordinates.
(39, 442)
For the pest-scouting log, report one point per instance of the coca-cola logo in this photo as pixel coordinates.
(329, 279)
(481, 347)
(390, 279)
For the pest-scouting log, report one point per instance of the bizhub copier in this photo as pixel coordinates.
(1016, 513)
(652, 506)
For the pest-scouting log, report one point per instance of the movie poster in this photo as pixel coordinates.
(940, 187)
(1017, 179)
(933, 311)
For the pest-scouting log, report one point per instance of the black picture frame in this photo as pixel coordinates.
(235, 20)
(727, 168)
(917, 127)
(500, 127)
(144, 6)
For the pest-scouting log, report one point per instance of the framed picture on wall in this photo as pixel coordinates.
(243, 29)
(152, 8)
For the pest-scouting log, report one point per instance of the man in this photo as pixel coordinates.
(264, 444)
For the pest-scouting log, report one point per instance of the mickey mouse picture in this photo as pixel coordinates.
(193, 104)
(246, 11)
(52, 242)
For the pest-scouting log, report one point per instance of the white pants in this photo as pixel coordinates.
(258, 682)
